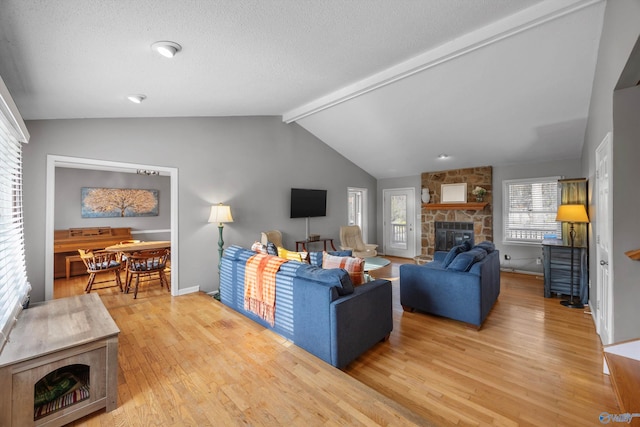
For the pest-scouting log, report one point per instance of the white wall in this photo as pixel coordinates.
(523, 257)
(251, 163)
(619, 34)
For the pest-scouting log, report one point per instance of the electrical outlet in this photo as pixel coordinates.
(538, 260)
(507, 257)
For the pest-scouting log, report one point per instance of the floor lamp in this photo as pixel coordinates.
(220, 213)
(572, 214)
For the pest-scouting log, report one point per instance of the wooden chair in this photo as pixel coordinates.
(100, 262)
(122, 256)
(147, 263)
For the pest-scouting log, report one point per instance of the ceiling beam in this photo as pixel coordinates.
(507, 27)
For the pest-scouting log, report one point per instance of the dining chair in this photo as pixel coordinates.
(122, 257)
(147, 263)
(100, 262)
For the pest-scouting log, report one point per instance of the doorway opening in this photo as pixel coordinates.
(357, 210)
(54, 161)
(398, 222)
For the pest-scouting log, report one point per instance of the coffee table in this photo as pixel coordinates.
(373, 263)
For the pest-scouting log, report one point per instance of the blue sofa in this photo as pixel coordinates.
(317, 309)
(462, 284)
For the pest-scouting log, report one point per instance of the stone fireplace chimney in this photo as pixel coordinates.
(479, 214)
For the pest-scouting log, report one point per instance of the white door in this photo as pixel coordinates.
(604, 226)
(399, 222)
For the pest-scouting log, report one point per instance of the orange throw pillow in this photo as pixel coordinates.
(353, 265)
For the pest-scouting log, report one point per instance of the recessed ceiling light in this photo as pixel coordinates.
(136, 99)
(166, 49)
(443, 156)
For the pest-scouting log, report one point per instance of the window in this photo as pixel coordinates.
(357, 209)
(530, 207)
(14, 288)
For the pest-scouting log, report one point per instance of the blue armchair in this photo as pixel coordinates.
(461, 286)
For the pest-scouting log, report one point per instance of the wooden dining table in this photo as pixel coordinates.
(140, 246)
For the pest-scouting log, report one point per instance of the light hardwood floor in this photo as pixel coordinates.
(190, 360)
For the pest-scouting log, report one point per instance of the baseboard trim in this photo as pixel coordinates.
(189, 290)
(514, 270)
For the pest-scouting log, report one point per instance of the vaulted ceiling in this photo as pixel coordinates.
(390, 84)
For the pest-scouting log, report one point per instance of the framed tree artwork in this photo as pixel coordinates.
(118, 202)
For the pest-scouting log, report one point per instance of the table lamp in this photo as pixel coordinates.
(572, 214)
(220, 213)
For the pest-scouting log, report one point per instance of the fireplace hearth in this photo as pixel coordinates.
(449, 234)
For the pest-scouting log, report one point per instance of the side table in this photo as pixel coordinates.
(304, 243)
(557, 270)
(71, 338)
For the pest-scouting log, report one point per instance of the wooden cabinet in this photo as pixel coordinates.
(557, 270)
(65, 338)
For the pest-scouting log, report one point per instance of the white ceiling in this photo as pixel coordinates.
(390, 84)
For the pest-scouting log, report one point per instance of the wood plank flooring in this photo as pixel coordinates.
(190, 360)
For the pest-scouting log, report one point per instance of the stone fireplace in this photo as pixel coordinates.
(477, 215)
(450, 234)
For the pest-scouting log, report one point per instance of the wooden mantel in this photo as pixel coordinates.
(476, 206)
(635, 254)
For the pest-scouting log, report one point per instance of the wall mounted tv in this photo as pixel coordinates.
(308, 203)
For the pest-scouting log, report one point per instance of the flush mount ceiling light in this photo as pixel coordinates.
(166, 49)
(136, 99)
(443, 156)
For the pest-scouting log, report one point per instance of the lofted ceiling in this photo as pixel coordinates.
(389, 84)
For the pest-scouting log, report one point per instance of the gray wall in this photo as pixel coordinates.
(69, 183)
(626, 229)
(619, 34)
(523, 257)
(249, 163)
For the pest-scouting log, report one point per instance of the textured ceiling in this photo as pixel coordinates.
(493, 81)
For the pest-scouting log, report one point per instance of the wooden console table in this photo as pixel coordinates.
(304, 243)
(55, 339)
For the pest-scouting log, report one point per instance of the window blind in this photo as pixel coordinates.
(530, 207)
(14, 287)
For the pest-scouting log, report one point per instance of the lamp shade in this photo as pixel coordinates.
(220, 214)
(572, 213)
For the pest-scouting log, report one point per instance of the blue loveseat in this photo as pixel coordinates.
(462, 284)
(317, 309)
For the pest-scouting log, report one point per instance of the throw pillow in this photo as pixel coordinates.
(291, 255)
(271, 249)
(487, 246)
(315, 258)
(259, 247)
(453, 253)
(463, 261)
(353, 265)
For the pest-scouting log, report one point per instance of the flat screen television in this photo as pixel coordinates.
(308, 203)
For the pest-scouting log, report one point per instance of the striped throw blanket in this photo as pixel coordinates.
(260, 285)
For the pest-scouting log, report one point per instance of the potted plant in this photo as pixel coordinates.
(479, 192)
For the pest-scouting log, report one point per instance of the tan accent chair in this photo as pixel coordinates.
(273, 236)
(351, 239)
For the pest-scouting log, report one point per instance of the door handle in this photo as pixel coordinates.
(603, 262)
